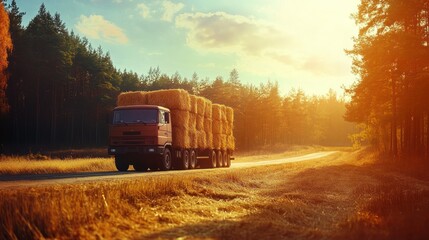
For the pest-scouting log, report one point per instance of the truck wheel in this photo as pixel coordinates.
(219, 159)
(121, 164)
(166, 160)
(140, 166)
(184, 161)
(228, 160)
(225, 159)
(192, 160)
(212, 160)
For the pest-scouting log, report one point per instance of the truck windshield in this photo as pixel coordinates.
(135, 116)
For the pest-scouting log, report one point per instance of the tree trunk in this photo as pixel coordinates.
(394, 140)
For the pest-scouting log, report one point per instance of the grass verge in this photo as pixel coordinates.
(343, 196)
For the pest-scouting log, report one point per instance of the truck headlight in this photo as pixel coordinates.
(151, 150)
(112, 150)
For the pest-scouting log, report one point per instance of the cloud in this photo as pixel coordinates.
(231, 33)
(170, 10)
(96, 27)
(143, 10)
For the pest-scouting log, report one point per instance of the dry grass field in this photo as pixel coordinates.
(343, 196)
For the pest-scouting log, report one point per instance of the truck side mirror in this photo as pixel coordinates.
(167, 117)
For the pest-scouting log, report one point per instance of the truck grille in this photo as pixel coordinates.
(129, 140)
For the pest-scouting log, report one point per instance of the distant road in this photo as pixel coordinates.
(40, 180)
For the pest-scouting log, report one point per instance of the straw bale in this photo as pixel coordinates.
(208, 125)
(132, 98)
(217, 141)
(223, 114)
(201, 105)
(209, 139)
(181, 138)
(217, 112)
(202, 139)
(224, 127)
(217, 127)
(229, 128)
(230, 145)
(200, 122)
(208, 109)
(180, 118)
(223, 140)
(193, 139)
(230, 114)
(174, 99)
(192, 121)
(193, 102)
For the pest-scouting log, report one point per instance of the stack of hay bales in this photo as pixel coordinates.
(230, 141)
(201, 134)
(193, 137)
(208, 123)
(196, 122)
(217, 126)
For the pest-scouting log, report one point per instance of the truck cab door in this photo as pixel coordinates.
(164, 128)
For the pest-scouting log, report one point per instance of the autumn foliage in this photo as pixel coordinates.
(5, 46)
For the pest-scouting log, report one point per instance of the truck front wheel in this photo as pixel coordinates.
(166, 160)
(121, 163)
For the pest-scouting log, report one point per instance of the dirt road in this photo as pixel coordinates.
(17, 181)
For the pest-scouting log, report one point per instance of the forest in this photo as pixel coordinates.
(391, 58)
(60, 92)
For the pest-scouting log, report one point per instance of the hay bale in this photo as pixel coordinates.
(208, 125)
(230, 114)
(217, 112)
(200, 122)
(202, 139)
(217, 127)
(230, 145)
(223, 141)
(132, 98)
(225, 126)
(209, 140)
(174, 99)
(193, 139)
(181, 138)
(230, 128)
(217, 141)
(192, 121)
(223, 112)
(201, 105)
(208, 112)
(180, 119)
(193, 102)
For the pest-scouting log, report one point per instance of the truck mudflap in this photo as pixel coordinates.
(118, 150)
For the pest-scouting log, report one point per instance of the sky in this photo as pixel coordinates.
(298, 43)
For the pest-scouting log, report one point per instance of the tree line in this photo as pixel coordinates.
(391, 56)
(61, 92)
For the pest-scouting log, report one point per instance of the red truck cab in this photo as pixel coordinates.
(140, 135)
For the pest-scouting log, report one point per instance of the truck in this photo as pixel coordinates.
(170, 129)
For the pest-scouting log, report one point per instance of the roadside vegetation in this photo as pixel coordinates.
(347, 195)
(62, 161)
